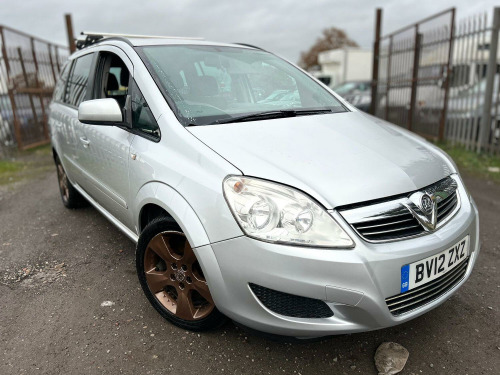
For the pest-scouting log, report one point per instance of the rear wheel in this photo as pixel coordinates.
(71, 198)
(172, 278)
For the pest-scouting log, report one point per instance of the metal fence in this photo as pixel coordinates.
(413, 64)
(474, 87)
(440, 78)
(29, 67)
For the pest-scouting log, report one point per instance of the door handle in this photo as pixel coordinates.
(85, 142)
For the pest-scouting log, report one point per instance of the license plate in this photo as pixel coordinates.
(421, 272)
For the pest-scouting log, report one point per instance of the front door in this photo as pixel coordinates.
(107, 147)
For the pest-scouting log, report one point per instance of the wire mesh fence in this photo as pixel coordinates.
(29, 67)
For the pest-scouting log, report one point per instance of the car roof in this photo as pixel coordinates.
(92, 39)
(175, 41)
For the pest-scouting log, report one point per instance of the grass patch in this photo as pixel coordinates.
(39, 150)
(9, 166)
(470, 162)
(9, 169)
(27, 164)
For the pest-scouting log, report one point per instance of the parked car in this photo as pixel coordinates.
(358, 93)
(304, 220)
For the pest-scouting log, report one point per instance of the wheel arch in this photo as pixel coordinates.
(158, 199)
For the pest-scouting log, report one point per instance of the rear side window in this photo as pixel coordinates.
(76, 89)
(61, 83)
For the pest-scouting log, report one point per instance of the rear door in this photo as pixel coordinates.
(70, 92)
(76, 91)
(59, 117)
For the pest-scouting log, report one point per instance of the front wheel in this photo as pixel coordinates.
(172, 278)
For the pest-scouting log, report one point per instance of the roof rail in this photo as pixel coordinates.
(92, 37)
(249, 45)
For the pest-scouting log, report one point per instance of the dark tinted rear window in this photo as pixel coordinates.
(76, 88)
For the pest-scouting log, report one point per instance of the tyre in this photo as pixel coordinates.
(71, 198)
(172, 278)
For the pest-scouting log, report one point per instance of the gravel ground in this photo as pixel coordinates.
(71, 304)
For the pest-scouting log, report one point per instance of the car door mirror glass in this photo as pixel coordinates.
(100, 112)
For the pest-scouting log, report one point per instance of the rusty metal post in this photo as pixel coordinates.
(17, 126)
(4, 51)
(15, 117)
(484, 130)
(58, 65)
(40, 96)
(69, 30)
(444, 112)
(388, 79)
(26, 80)
(54, 75)
(376, 58)
(414, 81)
(35, 61)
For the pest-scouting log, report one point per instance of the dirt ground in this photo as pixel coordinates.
(58, 268)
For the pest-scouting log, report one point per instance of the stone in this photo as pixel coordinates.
(390, 358)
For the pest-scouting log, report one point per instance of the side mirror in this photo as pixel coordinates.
(101, 112)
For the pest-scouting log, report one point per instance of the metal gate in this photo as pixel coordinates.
(29, 67)
(412, 77)
(440, 79)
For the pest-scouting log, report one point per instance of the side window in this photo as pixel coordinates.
(61, 83)
(142, 117)
(112, 78)
(76, 88)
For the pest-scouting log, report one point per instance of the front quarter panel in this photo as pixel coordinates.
(170, 200)
(184, 177)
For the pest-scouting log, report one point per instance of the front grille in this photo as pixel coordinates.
(402, 216)
(394, 227)
(446, 206)
(415, 298)
(291, 305)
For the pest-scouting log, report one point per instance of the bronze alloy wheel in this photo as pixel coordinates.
(70, 197)
(63, 182)
(175, 278)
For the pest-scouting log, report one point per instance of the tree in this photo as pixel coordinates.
(332, 38)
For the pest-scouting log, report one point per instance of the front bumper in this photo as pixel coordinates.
(353, 283)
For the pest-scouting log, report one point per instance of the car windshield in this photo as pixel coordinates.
(207, 84)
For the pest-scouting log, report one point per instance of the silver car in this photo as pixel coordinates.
(302, 217)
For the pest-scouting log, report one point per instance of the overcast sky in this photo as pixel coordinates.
(286, 27)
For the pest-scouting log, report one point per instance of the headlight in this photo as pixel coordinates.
(277, 213)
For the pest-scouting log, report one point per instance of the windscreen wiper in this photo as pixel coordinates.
(273, 114)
